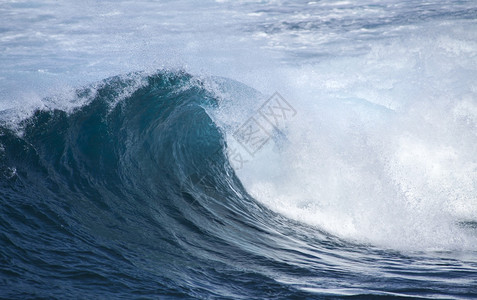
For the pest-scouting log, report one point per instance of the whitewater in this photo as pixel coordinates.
(238, 149)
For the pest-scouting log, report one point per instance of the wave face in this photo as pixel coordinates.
(136, 197)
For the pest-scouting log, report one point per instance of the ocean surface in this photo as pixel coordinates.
(245, 149)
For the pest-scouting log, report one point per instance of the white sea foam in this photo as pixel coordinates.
(383, 148)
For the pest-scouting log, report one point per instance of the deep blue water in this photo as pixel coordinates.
(125, 184)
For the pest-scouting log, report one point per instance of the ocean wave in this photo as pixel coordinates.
(132, 194)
